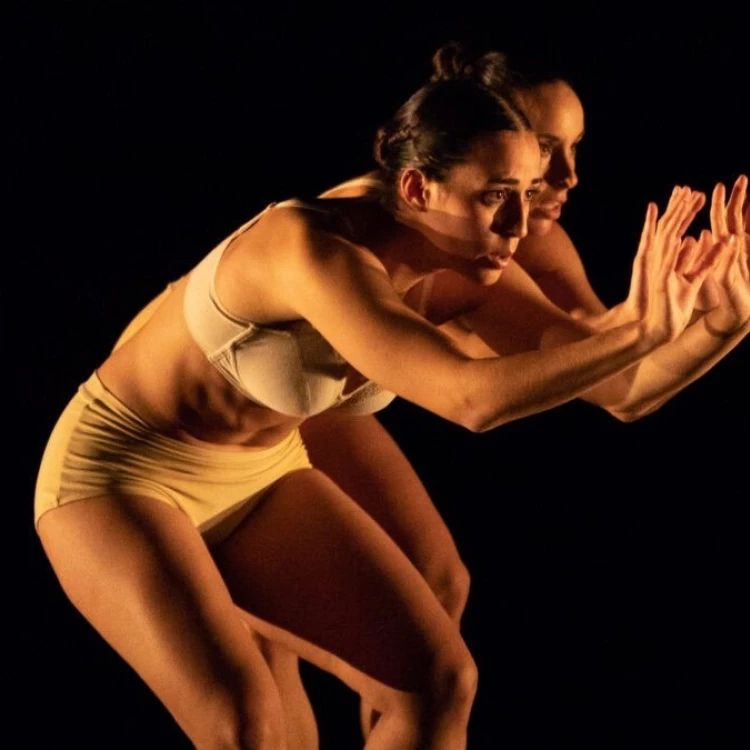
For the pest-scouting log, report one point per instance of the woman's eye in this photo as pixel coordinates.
(495, 196)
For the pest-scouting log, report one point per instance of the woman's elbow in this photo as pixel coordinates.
(623, 407)
(475, 416)
(633, 413)
(483, 417)
(469, 420)
(624, 416)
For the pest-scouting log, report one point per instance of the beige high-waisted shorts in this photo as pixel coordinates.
(100, 447)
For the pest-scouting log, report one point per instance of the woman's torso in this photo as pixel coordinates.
(165, 376)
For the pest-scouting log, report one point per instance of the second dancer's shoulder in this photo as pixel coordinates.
(544, 253)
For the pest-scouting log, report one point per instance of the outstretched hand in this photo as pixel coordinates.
(669, 269)
(731, 277)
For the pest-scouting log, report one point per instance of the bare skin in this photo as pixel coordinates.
(210, 674)
(174, 615)
(555, 274)
(312, 570)
(364, 460)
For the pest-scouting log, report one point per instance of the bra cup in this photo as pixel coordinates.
(288, 367)
(293, 371)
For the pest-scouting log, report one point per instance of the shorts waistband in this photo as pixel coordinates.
(93, 391)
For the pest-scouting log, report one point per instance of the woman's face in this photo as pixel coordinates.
(556, 114)
(480, 211)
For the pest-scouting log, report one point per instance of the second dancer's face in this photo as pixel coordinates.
(556, 114)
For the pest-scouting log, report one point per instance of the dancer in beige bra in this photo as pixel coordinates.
(176, 501)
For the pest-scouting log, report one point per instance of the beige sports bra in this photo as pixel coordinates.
(288, 367)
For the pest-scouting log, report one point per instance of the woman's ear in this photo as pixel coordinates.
(414, 189)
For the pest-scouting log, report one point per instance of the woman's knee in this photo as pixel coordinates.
(244, 721)
(451, 587)
(455, 681)
(448, 695)
(450, 682)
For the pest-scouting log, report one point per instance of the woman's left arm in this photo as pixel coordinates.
(664, 373)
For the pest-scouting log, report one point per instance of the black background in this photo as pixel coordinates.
(609, 561)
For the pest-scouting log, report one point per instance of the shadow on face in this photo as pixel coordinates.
(479, 212)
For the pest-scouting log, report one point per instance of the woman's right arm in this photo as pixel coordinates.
(349, 298)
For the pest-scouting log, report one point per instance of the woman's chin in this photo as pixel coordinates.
(540, 225)
(486, 276)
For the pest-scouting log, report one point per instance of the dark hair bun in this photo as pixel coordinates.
(456, 60)
(434, 129)
(383, 147)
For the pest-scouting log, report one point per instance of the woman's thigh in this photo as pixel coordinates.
(365, 461)
(140, 573)
(325, 580)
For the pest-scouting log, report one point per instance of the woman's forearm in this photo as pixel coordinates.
(531, 382)
(673, 366)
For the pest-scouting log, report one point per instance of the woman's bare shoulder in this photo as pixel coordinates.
(282, 255)
(546, 252)
(364, 184)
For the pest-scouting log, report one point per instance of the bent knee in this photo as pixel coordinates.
(452, 588)
(453, 676)
(450, 690)
(456, 682)
(255, 723)
(264, 734)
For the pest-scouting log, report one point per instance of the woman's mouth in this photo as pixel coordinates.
(494, 260)
(551, 210)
